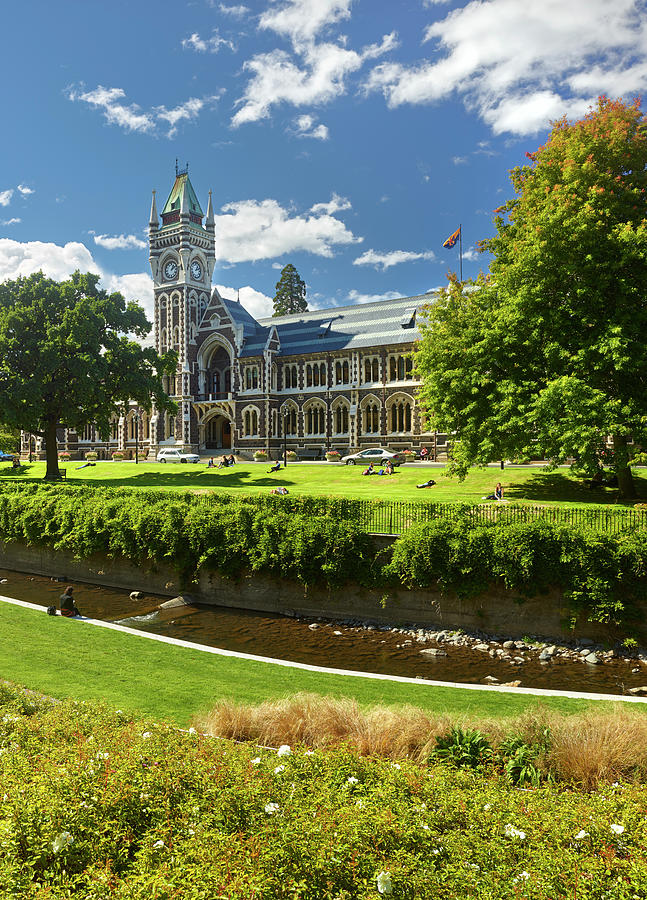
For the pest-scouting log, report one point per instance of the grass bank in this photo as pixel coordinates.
(63, 658)
(96, 804)
(528, 484)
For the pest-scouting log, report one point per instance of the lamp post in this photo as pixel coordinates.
(286, 419)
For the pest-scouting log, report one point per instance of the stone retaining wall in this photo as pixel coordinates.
(497, 611)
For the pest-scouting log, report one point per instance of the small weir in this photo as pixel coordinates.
(321, 643)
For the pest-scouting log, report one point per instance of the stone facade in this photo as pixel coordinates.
(334, 379)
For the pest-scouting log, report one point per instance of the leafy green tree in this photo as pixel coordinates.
(290, 294)
(67, 357)
(548, 355)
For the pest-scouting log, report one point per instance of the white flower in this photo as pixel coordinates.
(352, 780)
(581, 835)
(284, 750)
(384, 884)
(396, 766)
(146, 734)
(426, 827)
(512, 832)
(279, 769)
(256, 761)
(522, 876)
(192, 730)
(271, 808)
(487, 806)
(360, 803)
(102, 755)
(61, 841)
(309, 753)
(158, 845)
(617, 829)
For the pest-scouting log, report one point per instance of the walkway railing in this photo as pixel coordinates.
(395, 516)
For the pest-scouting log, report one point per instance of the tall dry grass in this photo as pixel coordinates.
(585, 749)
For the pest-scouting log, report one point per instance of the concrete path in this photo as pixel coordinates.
(422, 683)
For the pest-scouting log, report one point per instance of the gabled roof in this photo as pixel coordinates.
(182, 186)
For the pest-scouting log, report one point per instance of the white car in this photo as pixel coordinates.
(165, 456)
(373, 455)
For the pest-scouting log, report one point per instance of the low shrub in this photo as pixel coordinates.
(409, 455)
(292, 456)
(64, 455)
(98, 804)
(118, 455)
(92, 455)
(260, 455)
(333, 456)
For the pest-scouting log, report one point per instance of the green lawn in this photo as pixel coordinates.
(63, 658)
(529, 484)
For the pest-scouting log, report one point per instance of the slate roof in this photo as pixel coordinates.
(181, 186)
(364, 325)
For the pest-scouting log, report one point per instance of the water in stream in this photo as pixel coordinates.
(330, 644)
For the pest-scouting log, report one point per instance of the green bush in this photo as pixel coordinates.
(98, 805)
(9, 441)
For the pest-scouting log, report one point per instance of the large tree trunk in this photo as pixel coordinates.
(621, 464)
(51, 452)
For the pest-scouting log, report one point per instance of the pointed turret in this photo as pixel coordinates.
(210, 222)
(154, 220)
(182, 201)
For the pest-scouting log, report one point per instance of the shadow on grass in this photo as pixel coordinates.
(554, 487)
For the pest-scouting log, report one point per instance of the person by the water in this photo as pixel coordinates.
(68, 606)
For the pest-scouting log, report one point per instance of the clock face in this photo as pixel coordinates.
(196, 270)
(170, 270)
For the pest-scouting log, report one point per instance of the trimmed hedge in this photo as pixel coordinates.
(315, 539)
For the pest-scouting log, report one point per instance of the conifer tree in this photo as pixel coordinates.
(290, 294)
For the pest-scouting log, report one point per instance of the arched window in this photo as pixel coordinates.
(176, 338)
(250, 422)
(164, 340)
(340, 419)
(342, 372)
(275, 423)
(274, 372)
(315, 419)
(251, 378)
(371, 369)
(289, 420)
(291, 377)
(401, 367)
(400, 416)
(371, 418)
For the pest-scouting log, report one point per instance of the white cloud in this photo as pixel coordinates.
(257, 304)
(335, 204)
(391, 258)
(14, 221)
(471, 255)
(206, 45)
(58, 262)
(304, 127)
(131, 117)
(119, 241)
(237, 11)
(459, 160)
(320, 74)
(263, 229)
(357, 297)
(518, 65)
(116, 113)
(5, 197)
(301, 20)
(188, 110)
(24, 190)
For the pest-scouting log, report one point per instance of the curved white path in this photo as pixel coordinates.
(423, 683)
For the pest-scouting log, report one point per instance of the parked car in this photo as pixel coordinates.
(6, 457)
(374, 455)
(178, 456)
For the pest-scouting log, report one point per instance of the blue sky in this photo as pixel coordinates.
(349, 137)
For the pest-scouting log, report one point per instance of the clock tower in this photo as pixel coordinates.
(182, 259)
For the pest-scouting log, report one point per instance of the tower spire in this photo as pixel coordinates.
(210, 222)
(154, 221)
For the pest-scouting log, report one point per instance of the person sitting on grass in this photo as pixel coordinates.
(15, 462)
(68, 606)
(389, 467)
(223, 463)
(210, 463)
(497, 495)
(425, 484)
(281, 491)
(230, 460)
(275, 467)
(369, 471)
(424, 454)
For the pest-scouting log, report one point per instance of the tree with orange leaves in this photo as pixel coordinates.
(549, 355)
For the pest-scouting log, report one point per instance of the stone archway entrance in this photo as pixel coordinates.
(217, 433)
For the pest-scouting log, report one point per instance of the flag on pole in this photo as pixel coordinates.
(451, 240)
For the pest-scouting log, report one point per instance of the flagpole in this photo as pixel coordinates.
(460, 238)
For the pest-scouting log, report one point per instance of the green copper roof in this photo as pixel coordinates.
(182, 184)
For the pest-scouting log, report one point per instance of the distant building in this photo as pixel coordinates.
(338, 378)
